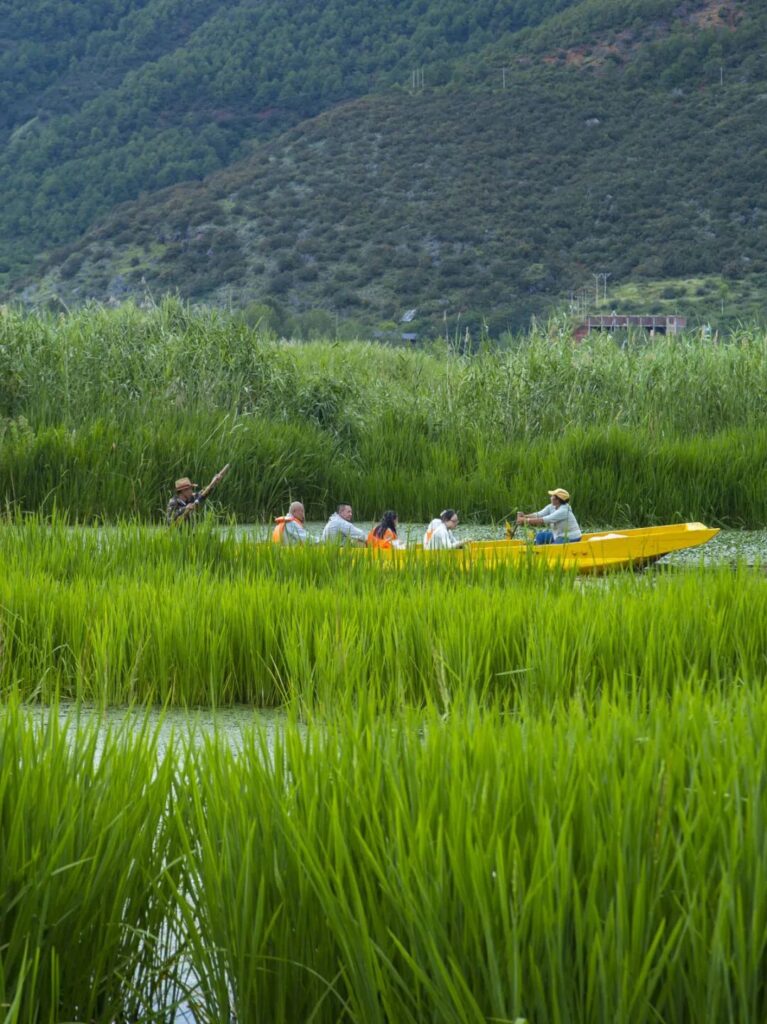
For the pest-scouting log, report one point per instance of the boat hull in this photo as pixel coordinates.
(594, 553)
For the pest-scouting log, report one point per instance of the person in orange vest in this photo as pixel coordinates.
(385, 534)
(290, 528)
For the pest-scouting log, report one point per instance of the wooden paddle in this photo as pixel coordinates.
(192, 506)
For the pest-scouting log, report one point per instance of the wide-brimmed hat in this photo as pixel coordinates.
(561, 493)
(184, 482)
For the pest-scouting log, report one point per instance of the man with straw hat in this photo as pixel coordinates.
(561, 525)
(187, 499)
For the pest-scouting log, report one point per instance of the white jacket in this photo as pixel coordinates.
(438, 537)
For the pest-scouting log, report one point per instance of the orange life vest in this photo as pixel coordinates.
(374, 541)
(279, 529)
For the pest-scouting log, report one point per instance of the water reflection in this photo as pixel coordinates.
(227, 725)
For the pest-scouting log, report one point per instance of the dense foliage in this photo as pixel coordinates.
(107, 102)
(102, 410)
(547, 142)
(375, 209)
(568, 825)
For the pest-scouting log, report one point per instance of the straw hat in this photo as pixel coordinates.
(561, 493)
(183, 483)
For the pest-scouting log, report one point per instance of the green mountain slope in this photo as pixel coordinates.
(631, 143)
(105, 101)
(490, 204)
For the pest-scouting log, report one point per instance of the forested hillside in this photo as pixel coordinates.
(103, 101)
(477, 163)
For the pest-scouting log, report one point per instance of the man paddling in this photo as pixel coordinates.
(187, 499)
(561, 525)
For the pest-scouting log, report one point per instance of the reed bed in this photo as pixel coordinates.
(603, 866)
(154, 616)
(102, 409)
(86, 873)
(596, 861)
(498, 794)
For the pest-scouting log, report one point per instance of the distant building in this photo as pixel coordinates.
(412, 338)
(617, 322)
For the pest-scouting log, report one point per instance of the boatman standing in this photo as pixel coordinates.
(187, 499)
(561, 526)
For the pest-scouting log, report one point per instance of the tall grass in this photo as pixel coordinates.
(136, 614)
(597, 861)
(586, 867)
(102, 409)
(85, 873)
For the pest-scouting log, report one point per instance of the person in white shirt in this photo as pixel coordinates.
(561, 526)
(438, 536)
(341, 529)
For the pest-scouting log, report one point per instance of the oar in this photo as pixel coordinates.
(510, 530)
(203, 494)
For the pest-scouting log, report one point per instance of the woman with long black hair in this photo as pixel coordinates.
(384, 535)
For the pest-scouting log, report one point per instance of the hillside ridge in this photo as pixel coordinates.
(490, 196)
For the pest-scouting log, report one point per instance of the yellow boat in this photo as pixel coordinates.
(593, 553)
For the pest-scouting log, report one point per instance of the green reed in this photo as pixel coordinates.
(152, 615)
(594, 865)
(597, 860)
(102, 409)
(85, 872)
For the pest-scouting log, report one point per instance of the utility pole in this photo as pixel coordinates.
(503, 78)
(601, 276)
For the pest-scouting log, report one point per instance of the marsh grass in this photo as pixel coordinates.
(136, 614)
(102, 409)
(85, 864)
(603, 863)
(600, 859)
(497, 793)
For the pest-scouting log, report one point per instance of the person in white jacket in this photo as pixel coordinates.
(341, 529)
(438, 536)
